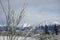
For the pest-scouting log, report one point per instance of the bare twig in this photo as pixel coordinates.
(10, 19)
(3, 9)
(28, 33)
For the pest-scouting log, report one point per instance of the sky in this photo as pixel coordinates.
(37, 11)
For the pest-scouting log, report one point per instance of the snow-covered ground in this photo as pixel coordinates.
(57, 37)
(28, 38)
(20, 38)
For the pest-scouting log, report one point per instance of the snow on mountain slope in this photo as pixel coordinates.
(26, 25)
(56, 22)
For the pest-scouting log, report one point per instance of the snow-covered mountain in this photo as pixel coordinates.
(26, 25)
(56, 22)
(51, 23)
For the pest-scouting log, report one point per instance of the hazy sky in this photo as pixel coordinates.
(36, 11)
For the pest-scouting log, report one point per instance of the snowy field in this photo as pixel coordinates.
(20, 38)
(28, 38)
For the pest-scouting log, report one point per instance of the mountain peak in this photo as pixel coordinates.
(26, 25)
(56, 22)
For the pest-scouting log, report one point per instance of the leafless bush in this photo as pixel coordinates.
(10, 20)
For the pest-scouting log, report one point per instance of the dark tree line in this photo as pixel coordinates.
(46, 29)
(55, 30)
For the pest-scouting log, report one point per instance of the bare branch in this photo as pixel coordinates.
(21, 13)
(20, 17)
(3, 9)
(9, 7)
(8, 19)
(28, 33)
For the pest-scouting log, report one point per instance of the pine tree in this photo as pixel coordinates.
(46, 29)
(55, 29)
